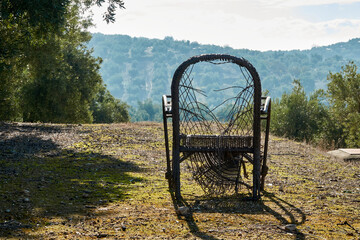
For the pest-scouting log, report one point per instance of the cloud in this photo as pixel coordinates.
(319, 13)
(286, 34)
(256, 24)
(298, 3)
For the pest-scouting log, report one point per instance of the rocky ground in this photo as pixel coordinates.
(107, 181)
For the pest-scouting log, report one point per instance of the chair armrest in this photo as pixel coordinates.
(265, 105)
(167, 104)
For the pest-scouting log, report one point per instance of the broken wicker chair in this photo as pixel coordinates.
(216, 125)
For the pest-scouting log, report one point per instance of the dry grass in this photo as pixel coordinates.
(107, 181)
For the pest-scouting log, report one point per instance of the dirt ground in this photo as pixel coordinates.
(108, 181)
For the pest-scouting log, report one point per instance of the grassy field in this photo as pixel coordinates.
(108, 181)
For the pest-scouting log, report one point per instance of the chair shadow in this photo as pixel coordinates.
(239, 205)
(39, 179)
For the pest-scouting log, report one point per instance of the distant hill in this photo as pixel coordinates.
(136, 69)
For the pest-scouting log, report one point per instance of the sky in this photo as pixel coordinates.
(252, 24)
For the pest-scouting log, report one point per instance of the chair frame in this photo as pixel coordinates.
(261, 111)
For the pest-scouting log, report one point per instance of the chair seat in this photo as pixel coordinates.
(209, 143)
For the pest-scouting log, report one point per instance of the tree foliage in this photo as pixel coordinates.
(45, 13)
(297, 116)
(332, 124)
(344, 97)
(107, 109)
(109, 15)
(41, 14)
(146, 111)
(47, 72)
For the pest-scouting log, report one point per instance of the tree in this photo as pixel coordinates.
(147, 111)
(63, 77)
(45, 13)
(107, 109)
(44, 63)
(13, 47)
(109, 15)
(344, 97)
(298, 117)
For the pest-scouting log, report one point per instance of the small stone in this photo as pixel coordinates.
(85, 195)
(89, 206)
(7, 210)
(183, 210)
(26, 192)
(102, 235)
(26, 199)
(290, 227)
(123, 227)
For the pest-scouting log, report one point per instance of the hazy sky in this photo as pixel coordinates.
(252, 24)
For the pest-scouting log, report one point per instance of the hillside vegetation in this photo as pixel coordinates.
(315, 92)
(137, 69)
(108, 181)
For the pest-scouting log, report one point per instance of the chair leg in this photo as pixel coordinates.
(264, 172)
(256, 176)
(176, 178)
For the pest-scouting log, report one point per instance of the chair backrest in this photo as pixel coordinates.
(225, 101)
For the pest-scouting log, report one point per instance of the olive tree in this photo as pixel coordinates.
(344, 97)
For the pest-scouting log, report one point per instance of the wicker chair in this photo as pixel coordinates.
(217, 131)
